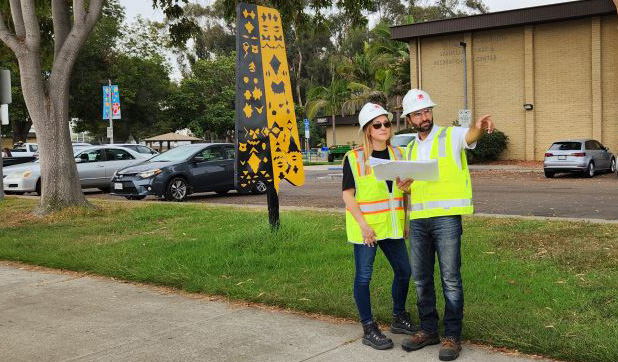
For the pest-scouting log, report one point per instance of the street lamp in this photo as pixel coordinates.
(463, 45)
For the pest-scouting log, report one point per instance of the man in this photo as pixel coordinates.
(436, 209)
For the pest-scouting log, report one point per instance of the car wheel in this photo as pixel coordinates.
(612, 167)
(549, 174)
(135, 197)
(331, 157)
(590, 170)
(177, 189)
(222, 192)
(104, 189)
(259, 188)
(38, 187)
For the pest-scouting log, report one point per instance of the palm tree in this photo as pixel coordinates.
(383, 93)
(328, 100)
(387, 63)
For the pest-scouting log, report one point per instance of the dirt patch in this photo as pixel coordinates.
(21, 211)
(578, 246)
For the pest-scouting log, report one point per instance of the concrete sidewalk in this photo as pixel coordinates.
(48, 315)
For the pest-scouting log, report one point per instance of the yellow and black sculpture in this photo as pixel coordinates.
(268, 147)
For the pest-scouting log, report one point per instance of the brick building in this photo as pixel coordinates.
(559, 60)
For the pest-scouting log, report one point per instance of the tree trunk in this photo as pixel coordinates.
(20, 130)
(334, 133)
(298, 70)
(48, 109)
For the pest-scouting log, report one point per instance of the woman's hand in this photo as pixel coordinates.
(369, 236)
(404, 185)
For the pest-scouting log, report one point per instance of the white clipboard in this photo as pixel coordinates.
(416, 170)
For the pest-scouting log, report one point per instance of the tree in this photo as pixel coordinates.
(46, 91)
(133, 59)
(297, 16)
(328, 100)
(205, 99)
(47, 96)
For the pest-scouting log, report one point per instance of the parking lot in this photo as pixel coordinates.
(510, 192)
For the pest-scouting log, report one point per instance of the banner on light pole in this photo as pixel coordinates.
(111, 102)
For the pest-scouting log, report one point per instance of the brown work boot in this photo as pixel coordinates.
(450, 349)
(419, 340)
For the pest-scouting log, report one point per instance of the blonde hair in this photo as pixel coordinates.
(368, 145)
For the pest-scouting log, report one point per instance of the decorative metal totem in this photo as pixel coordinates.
(268, 147)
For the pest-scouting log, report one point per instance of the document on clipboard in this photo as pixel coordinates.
(417, 170)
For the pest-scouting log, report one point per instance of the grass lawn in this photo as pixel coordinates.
(540, 287)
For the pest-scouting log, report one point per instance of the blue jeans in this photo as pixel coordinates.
(441, 235)
(397, 255)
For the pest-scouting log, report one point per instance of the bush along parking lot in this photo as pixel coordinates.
(541, 287)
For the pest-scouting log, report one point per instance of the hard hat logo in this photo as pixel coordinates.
(420, 96)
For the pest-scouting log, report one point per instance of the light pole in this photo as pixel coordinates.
(463, 45)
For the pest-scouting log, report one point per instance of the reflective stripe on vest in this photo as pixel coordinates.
(380, 206)
(442, 143)
(444, 204)
(360, 165)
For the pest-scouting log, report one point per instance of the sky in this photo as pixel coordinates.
(144, 7)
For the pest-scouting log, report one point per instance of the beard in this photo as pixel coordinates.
(425, 126)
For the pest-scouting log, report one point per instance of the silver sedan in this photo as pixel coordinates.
(578, 155)
(95, 165)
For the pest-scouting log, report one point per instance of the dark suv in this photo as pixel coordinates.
(179, 172)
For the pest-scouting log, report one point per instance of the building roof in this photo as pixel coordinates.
(502, 19)
(327, 121)
(172, 137)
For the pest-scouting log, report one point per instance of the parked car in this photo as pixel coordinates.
(578, 155)
(144, 150)
(81, 144)
(76, 146)
(95, 165)
(9, 161)
(402, 139)
(179, 172)
(24, 150)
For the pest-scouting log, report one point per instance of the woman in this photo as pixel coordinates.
(375, 217)
(6, 152)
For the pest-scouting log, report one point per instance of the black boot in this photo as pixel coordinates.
(373, 337)
(402, 324)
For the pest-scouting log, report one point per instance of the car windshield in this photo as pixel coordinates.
(19, 149)
(175, 154)
(566, 146)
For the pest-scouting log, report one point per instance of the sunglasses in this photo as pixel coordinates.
(379, 125)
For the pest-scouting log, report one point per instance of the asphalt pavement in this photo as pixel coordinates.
(48, 315)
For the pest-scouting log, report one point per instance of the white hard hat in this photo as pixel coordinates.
(371, 111)
(415, 100)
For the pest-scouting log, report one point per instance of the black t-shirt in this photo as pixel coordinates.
(348, 177)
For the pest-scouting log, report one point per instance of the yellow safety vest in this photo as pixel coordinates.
(452, 194)
(383, 210)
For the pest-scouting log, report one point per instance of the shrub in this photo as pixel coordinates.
(489, 147)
